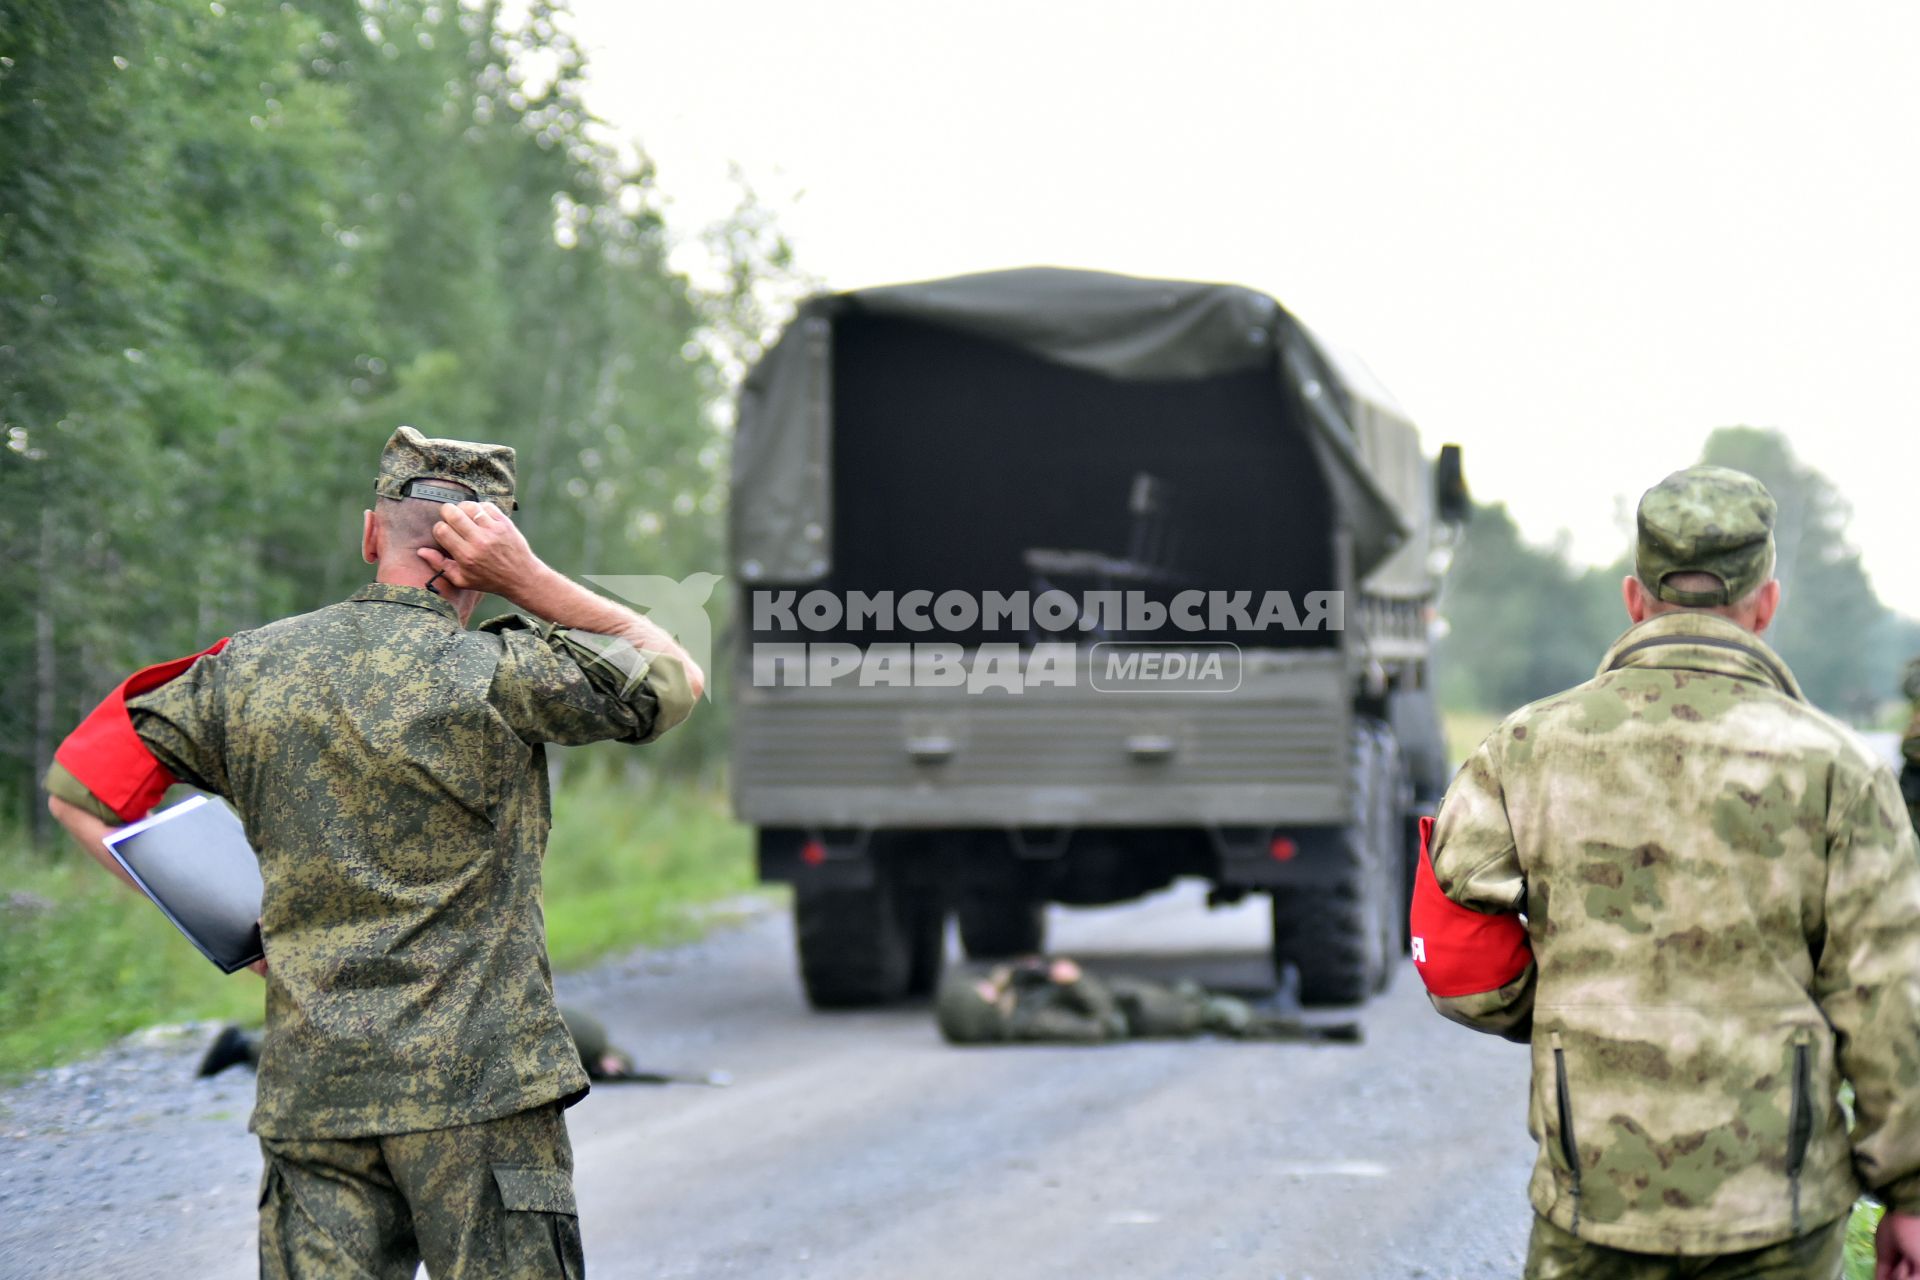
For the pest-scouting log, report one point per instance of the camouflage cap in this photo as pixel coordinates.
(1711, 520)
(486, 469)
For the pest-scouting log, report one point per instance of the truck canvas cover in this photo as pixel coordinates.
(1118, 327)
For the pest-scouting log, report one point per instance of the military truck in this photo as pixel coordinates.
(1143, 464)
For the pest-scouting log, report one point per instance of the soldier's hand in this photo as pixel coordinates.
(1896, 1246)
(481, 550)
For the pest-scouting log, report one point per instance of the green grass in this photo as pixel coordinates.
(1860, 1228)
(84, 961)
(631, 866)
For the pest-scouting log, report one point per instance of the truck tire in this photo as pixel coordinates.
(926, 927)
(1333, 934)
(998, 926)
(854, 946)
(1393, 800)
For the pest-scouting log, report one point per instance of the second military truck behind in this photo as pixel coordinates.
(1055, 586)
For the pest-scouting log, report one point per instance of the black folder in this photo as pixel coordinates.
(194, 861)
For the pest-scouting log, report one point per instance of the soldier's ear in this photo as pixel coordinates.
(369, 538)
(1766, 603)
(1634, 593)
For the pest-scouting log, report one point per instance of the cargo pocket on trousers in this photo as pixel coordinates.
(541, 1218)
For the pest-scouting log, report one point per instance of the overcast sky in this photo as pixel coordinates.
(1572, 237)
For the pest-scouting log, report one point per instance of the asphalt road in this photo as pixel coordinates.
(860, 1145)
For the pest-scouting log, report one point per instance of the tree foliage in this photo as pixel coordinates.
(239, 243)
(1522, 622)
(1526, 622)
(1844, 645)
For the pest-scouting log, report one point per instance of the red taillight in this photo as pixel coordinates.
(813, 853)
(1283, 848)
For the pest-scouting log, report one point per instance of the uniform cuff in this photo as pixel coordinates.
(59, 782)
(672, 692)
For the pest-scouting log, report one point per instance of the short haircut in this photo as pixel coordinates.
(1695, 580)
(1698, 580)
(409, 521)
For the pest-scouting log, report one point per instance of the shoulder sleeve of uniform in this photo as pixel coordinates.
(1470, 946)
(182, 723)
(1868, 979)
(554, 684)
(110, 757)
(1475, 860)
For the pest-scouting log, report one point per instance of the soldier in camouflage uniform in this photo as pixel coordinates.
(1910, 746)
(389, 766)
(1053, 1000)
(1713, 903)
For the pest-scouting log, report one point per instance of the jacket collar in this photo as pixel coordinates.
(1701, 642)
(418, 597)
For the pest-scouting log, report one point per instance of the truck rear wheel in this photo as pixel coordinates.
(926, 926)
(855, 946)
(997, 926)
(1334, 934)
(1392, 801)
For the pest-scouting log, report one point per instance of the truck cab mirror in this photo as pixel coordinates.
(1451, 499)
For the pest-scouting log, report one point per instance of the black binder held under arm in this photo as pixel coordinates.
(194, 861)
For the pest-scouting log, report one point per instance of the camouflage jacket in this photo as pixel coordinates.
(389, 766)
(1723, 900)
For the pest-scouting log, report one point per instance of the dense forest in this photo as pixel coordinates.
(240, 242)
(1523, 622)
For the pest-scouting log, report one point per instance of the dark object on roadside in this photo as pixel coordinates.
(194, 862)
(233, 1046)
(1041, 999)
(1910, 746)
(603, 1062)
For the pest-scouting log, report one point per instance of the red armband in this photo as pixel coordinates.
(1456, 951)
(107, 757)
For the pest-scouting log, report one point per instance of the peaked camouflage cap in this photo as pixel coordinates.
(1711, 520)
(486, 469)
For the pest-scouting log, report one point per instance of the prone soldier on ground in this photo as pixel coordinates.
(600, 1058)
(1043, 999)
(1697, 898)
(389, 766)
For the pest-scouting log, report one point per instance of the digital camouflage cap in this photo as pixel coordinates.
(411, 461)
(1711, 520)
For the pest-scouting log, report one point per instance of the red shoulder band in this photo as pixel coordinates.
(107, 757)
(1456, 951)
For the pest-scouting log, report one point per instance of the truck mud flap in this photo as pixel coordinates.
(819, 859)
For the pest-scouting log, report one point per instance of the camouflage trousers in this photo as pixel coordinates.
(493, 1199)
(1554, 1254)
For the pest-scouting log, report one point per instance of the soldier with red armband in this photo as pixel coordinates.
(1696, 898)
(388, 764)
